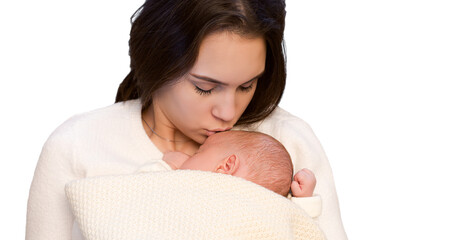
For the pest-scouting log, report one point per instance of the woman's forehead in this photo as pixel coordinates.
(229, 58)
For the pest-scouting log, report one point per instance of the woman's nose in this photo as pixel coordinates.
(225, 108)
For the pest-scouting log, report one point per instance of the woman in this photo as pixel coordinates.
(197, 68)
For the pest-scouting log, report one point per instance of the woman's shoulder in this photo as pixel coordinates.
(123, 110)
(279, 115)
(93, 121)
(280, 123)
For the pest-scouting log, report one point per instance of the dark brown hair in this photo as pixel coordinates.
(166, 36)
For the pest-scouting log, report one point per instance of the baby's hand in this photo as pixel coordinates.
(303, 183)
(175, 159)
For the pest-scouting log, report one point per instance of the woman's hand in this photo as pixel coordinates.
(175, 159)
(303, 183)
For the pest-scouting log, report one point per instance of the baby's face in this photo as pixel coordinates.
(208, 157)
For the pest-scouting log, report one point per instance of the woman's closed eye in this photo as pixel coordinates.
(246, 87)
(203, 91)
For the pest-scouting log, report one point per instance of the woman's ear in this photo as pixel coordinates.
(229, 165)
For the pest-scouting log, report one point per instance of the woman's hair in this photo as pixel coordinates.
(166, 36)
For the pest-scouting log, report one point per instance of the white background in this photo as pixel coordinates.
(376, 80)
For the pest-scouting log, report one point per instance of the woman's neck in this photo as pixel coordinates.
(163, 133)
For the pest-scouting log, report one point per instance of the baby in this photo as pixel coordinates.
(254, 156)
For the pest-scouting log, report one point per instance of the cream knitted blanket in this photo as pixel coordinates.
(184, 204)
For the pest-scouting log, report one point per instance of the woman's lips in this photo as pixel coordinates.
(213, 131)
(210, 133)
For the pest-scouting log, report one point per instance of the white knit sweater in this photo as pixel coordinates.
(112, 141)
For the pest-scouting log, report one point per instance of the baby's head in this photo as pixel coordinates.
(254, 156)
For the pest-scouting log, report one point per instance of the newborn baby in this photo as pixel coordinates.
(254, 156)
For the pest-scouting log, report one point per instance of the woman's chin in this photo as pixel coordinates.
(198, 138)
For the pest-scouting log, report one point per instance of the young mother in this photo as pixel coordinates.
(197, 67)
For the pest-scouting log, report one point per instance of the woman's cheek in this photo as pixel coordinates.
(244, 100)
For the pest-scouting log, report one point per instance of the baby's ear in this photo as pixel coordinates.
(229, 165)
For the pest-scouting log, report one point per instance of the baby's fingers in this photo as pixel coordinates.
(305, 176)
(300, 176)
(296, 189)
(303, 183)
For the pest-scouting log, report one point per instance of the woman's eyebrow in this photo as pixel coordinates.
(208, 79)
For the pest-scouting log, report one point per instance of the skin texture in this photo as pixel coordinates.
(303, 183)
(195, 106)
(210, 98)
(216, 155)
(209, 156)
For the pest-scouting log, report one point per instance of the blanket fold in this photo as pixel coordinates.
(184, 204)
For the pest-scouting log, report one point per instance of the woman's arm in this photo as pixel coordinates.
(306, 152)
(175, 159)
(48, 213)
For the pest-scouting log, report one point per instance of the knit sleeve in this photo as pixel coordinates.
(156, 165)
(306, 152)
(48, 213)
(312, 205)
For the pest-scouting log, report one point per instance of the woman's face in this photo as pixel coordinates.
(212, 96)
